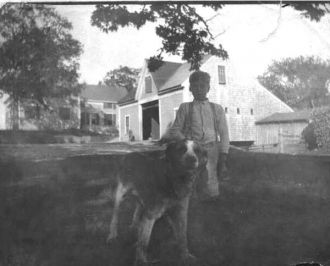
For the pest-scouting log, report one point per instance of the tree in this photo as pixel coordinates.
(309, 137)
(312, 11)
(321, 121)
(317, 132)
(38, 55)
(300, 82)
(182, 29)
(123, 76)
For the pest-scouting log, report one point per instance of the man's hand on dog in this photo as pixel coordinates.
(222, 167)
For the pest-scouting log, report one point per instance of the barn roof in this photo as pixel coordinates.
(299, 116)
(169, 75)
(179, 76)
(162, 75)
(103, 93)
(128, 98)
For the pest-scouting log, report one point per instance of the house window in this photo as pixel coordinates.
(127, 125)
(109, 119)
(30, 112)
(238, 111)
(84, 119)
(251, 111)
(221, 75)
(226, 110)
(147, 84)
(95, 119)
(64, 113)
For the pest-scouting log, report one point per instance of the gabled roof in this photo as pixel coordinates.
(299, 116)
(162, 74)
(168, 76)
(103, 93)
(128, 98)
(160, 77)
(180, 75)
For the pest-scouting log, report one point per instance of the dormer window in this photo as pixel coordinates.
(148, 85)
(221, 75)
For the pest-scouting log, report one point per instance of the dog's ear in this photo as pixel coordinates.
(169, 139)
(172, 146)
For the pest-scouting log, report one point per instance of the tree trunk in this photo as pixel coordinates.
(38, 111)
(15, 114)
(311, 102)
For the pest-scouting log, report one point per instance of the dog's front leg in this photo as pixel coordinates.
(144, 233)
(136, 216)
(148, 219)
(119, 194)
(179, 218)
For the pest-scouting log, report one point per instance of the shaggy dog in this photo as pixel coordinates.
(160, 186)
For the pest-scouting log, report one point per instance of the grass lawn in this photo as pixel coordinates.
(58, 212)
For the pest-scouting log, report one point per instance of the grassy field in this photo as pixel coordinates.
(58, 212)
(53, 136)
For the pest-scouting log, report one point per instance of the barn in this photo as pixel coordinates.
(151, 108)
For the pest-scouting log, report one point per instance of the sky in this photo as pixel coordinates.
(254, 35)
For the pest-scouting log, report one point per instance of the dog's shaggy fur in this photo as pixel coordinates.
(160, 186)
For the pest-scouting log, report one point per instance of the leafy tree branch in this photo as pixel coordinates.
(124, 77)
(180, 26)
(38, 55)
(182, 30)
(301, 82)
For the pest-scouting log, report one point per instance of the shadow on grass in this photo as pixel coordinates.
(59, 214)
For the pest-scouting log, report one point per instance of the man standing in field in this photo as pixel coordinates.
(205, 122)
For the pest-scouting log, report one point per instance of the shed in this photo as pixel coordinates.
(282, 127)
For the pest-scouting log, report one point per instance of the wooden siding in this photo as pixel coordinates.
(168, 104)
(274, 133)
(132, 111)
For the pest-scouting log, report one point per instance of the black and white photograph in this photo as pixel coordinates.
(164, 133)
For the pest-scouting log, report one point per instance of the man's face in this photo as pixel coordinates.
(199, 89)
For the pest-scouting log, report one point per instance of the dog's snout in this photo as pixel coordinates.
(191, 160)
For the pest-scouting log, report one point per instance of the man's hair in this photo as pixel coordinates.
(199, 76)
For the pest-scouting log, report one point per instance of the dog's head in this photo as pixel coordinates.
(186, 155)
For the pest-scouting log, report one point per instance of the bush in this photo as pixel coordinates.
(40, 136)
(308, 135)
(317, 133)
(102, 130)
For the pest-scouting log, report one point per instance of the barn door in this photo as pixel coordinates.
(150, 120)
